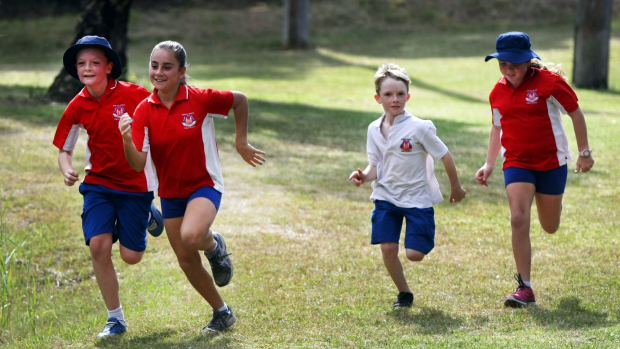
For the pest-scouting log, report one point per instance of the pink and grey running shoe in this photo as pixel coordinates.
(522, 297)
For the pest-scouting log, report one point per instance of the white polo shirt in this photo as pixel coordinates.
(405, 162)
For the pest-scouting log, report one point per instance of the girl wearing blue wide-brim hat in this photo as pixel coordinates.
(527, 105)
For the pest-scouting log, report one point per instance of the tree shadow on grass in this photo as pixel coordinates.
(159, 340)
(570, 315)
(427, 320)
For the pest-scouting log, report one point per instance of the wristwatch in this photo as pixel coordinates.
(585, 153)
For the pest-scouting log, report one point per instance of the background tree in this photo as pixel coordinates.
(592, 36)
(106, 18)
(296, 24)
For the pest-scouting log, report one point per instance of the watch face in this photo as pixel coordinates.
(586, 153)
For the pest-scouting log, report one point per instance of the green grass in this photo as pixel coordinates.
(305, 274)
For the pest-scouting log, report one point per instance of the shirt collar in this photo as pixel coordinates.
(182, 94)
(398, 119)
(111, 86)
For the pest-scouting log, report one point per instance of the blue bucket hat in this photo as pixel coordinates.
(513, 47)
(69, 58)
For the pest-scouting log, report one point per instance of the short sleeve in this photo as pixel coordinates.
(563, 96)
(139, 127)
(371, 148)
(433, 145)
(219, 103)
(68, 130)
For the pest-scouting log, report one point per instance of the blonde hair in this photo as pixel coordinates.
(555, 69)
(391, 70)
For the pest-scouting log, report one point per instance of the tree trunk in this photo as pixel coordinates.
(105, 18)
(592, 36)
(296, 24)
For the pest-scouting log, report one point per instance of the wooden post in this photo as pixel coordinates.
(296, 31)
(592, 36)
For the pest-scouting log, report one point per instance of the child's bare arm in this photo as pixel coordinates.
(494, 145)
(249, 154)
(359, 177)
(457, 193)
(581, 134)
(135, 158)
(66, 167)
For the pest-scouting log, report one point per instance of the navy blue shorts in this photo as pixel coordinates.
(174, 208)
(551, 182)
(387, 222)
(124, 214)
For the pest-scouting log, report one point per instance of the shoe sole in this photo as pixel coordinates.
(514, 303)
(223, 242)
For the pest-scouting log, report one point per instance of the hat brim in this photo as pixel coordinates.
(513, 57)
(69, 59)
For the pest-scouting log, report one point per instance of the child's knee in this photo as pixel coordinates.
(415, 256)
(389, 249)
(100, 246)
(550, 228)
(131, 257)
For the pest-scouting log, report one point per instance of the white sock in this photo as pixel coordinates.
(527, 283)
(117, 313)
(224, 308)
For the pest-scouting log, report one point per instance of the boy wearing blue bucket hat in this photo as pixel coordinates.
(117, 199)
(527, 104)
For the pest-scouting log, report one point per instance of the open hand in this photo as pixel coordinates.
(251, 155)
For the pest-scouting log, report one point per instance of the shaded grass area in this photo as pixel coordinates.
(305, 274)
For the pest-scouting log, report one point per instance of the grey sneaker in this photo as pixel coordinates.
(221, 321)
(403, 300)
(221, 265)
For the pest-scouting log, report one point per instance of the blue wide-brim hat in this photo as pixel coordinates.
(513, 47)
(69, 58)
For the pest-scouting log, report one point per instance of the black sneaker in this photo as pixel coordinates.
(156, 222)
(221, 321)
(403, 300)
(221, 265)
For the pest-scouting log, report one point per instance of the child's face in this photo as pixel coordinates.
(164, 70)
(93, 67)
(393, 96)
(514, 73)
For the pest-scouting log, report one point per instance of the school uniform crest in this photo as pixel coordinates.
(406, 145)
(119, 110)
(531, 97)
(188, 120)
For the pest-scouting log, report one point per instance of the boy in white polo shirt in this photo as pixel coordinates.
(401, 150)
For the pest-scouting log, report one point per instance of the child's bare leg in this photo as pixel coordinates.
(549, 211)
(190, 261)
(130, 256)
(394, 266)
(101, 256)
(414, 256)
(520, 198)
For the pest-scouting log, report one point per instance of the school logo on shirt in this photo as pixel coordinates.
(119, 110)
(406, 145)
(531, 97)
(188, 120)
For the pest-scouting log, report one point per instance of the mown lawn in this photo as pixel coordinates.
(305, 273)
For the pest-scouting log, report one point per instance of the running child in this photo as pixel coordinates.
(117, 199)
(176, 125)
(527, 104)
(401, 150)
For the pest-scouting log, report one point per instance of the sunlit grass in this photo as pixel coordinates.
(305, 274)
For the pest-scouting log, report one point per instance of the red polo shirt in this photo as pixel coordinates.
(182, 139)
(105, 156)
(530, 116)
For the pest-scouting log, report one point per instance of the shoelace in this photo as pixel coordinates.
(217, 259)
